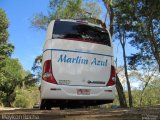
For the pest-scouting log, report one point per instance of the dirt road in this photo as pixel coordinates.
(151, 113)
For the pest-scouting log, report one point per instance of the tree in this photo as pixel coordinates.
(122, 98)
(3, 27)
(30, 80)
(11, 71)
(145, 31)
(110, 8)
(37, 69)
(92, 8)
(146, 74)
(137, 21)
(11, 76)
(72, 9)
(148, 87)
(6, 49)
(121, 35)
(108, 5)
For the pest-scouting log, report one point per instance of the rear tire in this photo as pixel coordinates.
(62, 108)
(45, 105)
(48, 107)
(42, 107)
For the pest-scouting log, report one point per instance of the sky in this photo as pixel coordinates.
(29, 41)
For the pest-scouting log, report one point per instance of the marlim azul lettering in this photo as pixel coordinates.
(80, 60)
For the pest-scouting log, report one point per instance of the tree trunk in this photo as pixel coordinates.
(7, 103)
(126, 75)
(122, 36)
(122, 98)
(153, 43)
(145, 86)
(141, 98)
(109, 8)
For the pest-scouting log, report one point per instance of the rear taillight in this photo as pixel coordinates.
(47, 74)
(112, 79)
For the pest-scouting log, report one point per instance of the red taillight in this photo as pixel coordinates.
(112, 79)
(47, 72)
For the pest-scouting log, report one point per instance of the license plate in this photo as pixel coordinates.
(83, 92)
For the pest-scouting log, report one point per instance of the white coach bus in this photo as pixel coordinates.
(78, 65)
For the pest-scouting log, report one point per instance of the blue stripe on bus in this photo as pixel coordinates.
(77, 52)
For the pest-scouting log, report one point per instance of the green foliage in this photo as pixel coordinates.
(57, 9)
(3, 27)
(150, 97)
(37, 63)
(30, 80)
(93, 8)
(6, 50)
(37, 69)
(143, 25)
(137, 22)
(10, 77)
(26, 98)
(72, 9)
(139, 19)
(14, 69)
(66, 9)
(12, 74)
(121, 31)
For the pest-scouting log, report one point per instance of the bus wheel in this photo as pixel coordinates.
(62, 108)
(42, 107)
(48, 107)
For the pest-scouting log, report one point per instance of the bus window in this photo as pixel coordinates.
(65, 29)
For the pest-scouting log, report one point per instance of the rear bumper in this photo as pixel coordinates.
(63, 92)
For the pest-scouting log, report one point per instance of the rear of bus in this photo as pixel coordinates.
(78, 67)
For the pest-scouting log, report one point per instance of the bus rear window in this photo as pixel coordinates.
(65, 29)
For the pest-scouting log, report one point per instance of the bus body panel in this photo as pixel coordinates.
(70, 92)
(82, 69)
(83, 65)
